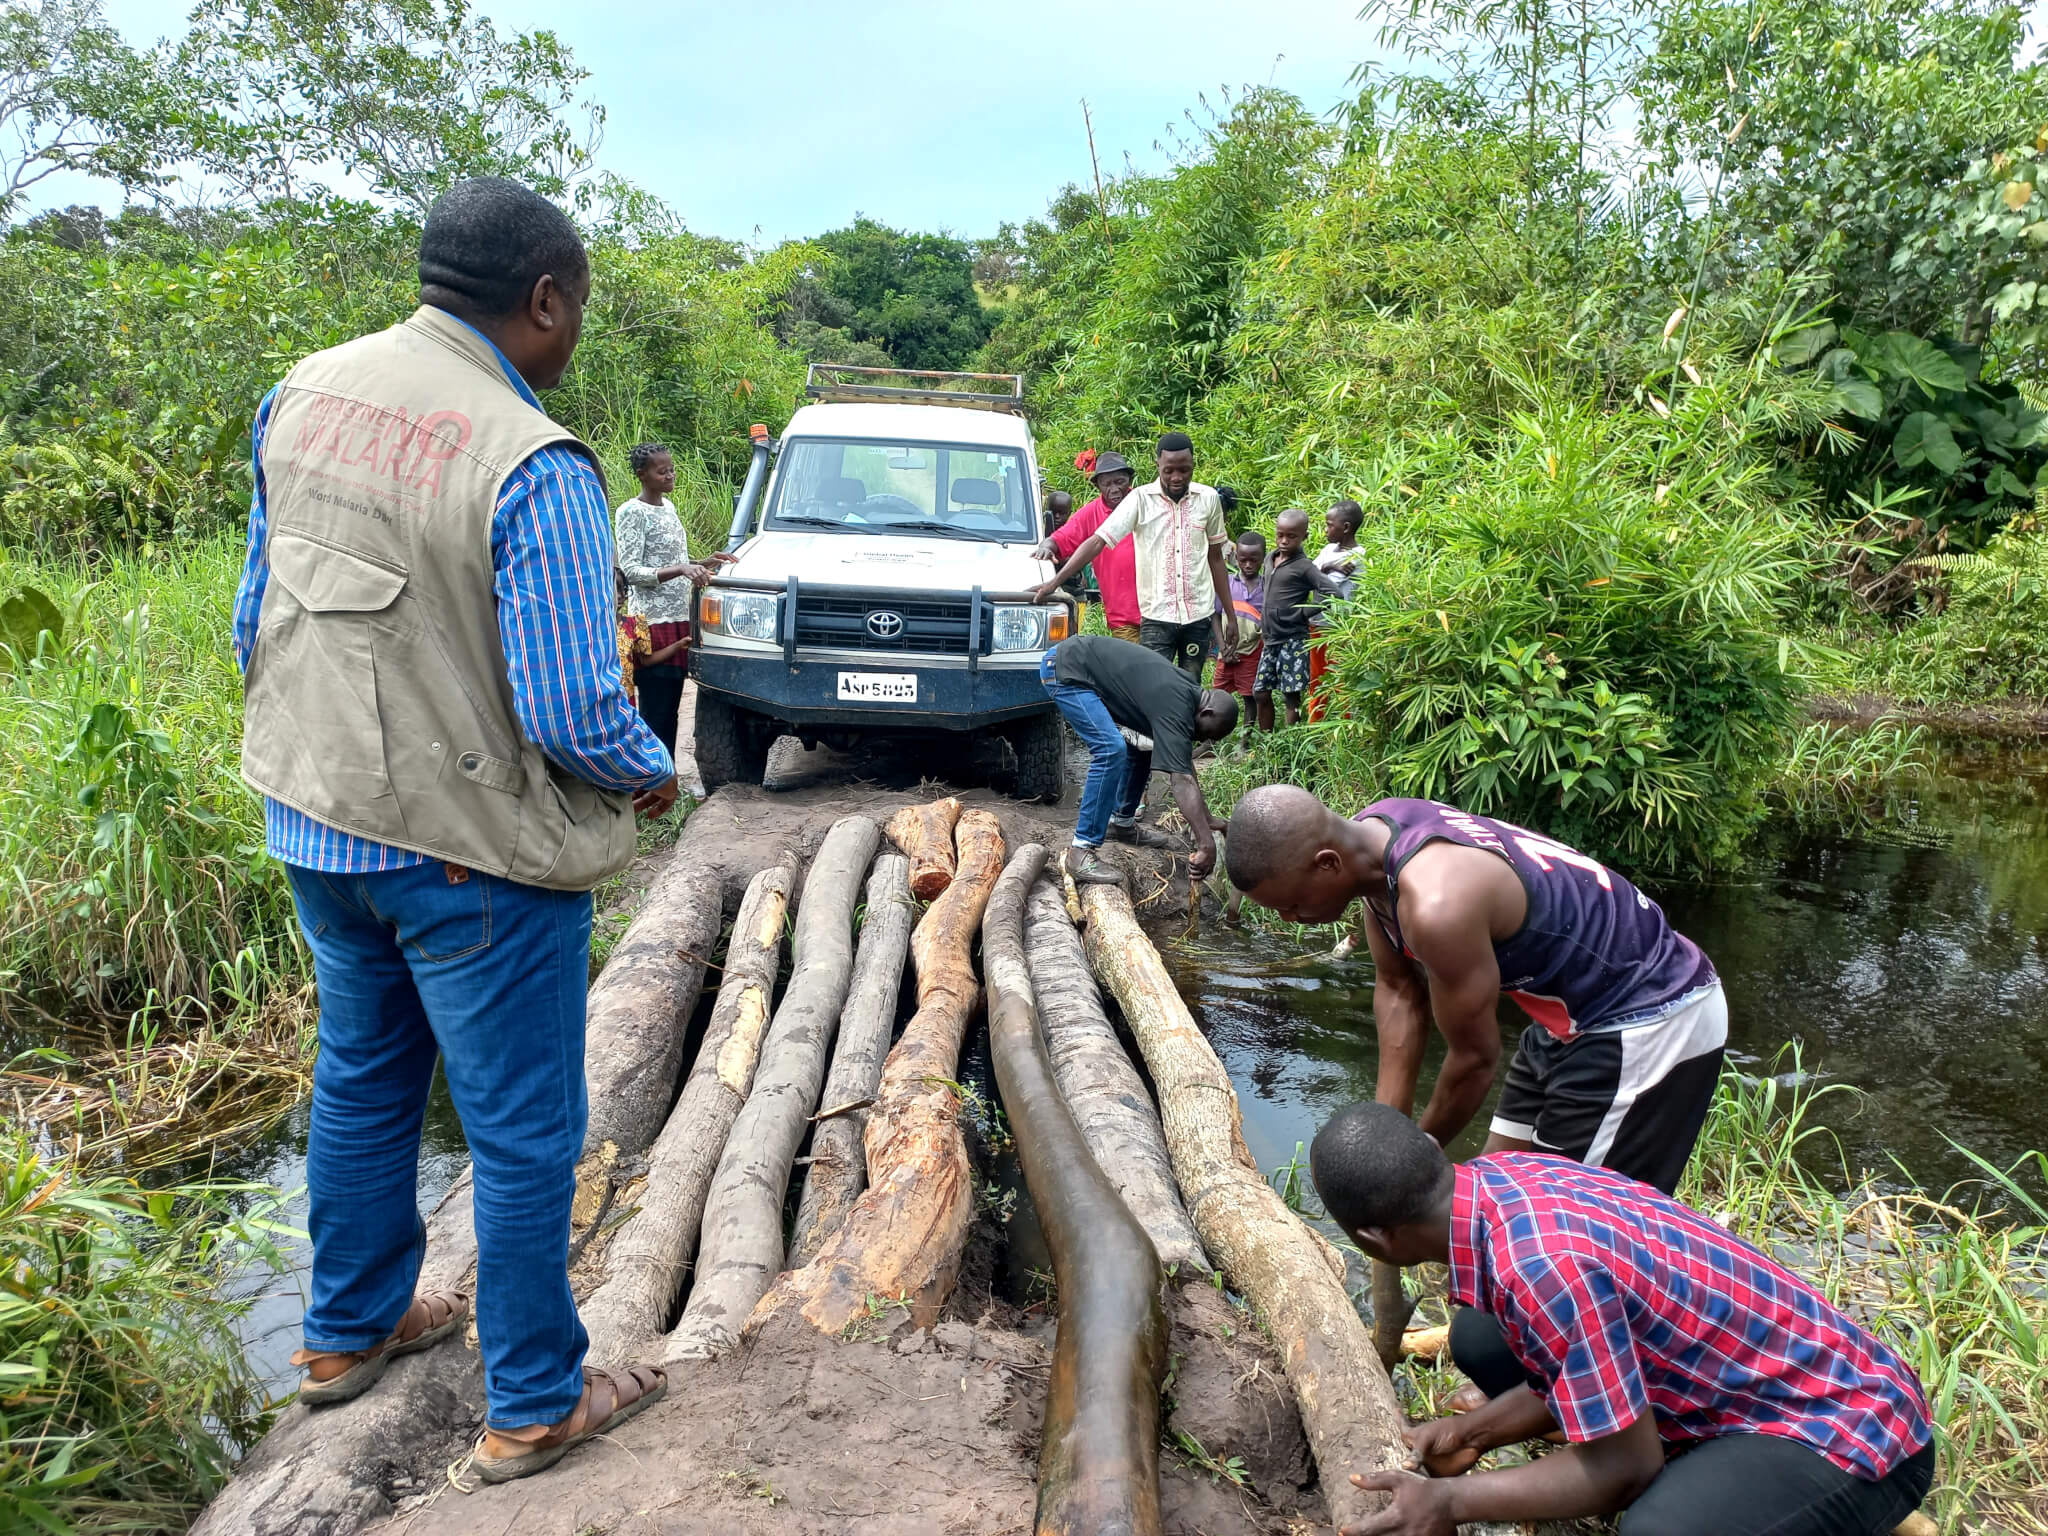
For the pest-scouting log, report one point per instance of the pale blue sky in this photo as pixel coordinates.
(775, 118)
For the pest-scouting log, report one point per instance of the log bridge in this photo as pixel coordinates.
(795, 1091)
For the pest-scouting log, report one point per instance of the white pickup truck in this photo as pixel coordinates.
(882, 583)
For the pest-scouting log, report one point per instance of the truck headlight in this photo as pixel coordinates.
(1029, 629)
(744, 615)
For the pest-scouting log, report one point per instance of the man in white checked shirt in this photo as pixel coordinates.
(1182, 580)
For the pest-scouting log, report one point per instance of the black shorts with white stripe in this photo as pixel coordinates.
(1631, 1099)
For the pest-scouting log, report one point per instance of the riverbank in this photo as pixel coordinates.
(2018, 719)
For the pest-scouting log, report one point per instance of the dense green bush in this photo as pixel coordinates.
(1583, 632)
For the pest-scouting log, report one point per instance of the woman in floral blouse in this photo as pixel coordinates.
(653, 554)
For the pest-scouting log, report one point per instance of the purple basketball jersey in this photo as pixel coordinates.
(1594, 953)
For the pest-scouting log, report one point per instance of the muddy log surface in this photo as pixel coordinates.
(1099, 1083)
(1287, 1270)
(742, 1247)
(1098, 1465)
(794, 1433)
(648, 1257)
(640, 1007)
(839, 1160)
(904, 1236)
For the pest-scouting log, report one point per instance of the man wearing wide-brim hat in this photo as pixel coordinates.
(1116, 570)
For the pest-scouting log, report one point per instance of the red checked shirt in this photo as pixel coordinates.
(1616, 1298)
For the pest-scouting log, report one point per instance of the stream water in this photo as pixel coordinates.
(1909, 962)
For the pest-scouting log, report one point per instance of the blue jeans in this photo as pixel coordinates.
(491, 976)
(1117, 771)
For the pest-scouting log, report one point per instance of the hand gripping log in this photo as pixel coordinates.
(1098, 1464)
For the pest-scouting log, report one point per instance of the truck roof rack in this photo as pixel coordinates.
(845, 382)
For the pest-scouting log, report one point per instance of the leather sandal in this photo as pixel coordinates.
(335, 1376)
(609, 1399)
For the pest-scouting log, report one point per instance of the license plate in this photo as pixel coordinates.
(878, 687)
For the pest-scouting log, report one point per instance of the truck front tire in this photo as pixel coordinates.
(1041, 747)
(732, 743)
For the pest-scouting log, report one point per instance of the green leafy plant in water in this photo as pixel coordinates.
(124, 1393)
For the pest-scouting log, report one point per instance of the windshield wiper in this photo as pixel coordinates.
(943, 531)
(798, 520)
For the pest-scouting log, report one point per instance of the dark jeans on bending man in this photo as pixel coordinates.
(1117, 771)
(1731, 1484)
(1185, 645)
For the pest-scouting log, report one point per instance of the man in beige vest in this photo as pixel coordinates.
(433, 715)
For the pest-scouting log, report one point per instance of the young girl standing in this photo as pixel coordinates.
(653, 554)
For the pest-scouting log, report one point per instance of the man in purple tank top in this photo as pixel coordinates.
(1630, 1024)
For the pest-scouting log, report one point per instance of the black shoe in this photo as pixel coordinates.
(1144, 837)
(1083, 868)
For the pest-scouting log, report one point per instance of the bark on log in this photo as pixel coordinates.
(1098, 1460)
(1347, 1403)
(640, 1006)
(742, 1249)
(839, 1167)
(904, 1236)
(1109, 1100)
(925, 834)
(650, 1254)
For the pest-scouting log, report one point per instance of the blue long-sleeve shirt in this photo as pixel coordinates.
(551, 551)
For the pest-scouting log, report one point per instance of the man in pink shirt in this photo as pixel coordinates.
(1116, 569)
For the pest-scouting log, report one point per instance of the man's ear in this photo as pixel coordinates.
(544, 303)
(1329, 860)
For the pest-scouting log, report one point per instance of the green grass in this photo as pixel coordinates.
(124, 1393)
(132, 854)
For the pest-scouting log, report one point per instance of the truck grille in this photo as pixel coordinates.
(932, 626)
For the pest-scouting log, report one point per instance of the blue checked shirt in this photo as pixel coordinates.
(551, 549)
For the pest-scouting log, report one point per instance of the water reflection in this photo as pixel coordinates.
(1910, 961)
(270, 1329)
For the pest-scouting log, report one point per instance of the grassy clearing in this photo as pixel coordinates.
(124, 1395)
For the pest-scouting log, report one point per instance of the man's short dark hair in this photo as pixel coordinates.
(1176, 442)
(1348, 511)
(1274, 831)
(1252, 537)
(488, 241)
(1374, 1167)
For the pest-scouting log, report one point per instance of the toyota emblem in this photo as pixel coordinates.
(884, 625)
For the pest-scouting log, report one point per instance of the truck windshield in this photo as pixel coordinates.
(903, 488)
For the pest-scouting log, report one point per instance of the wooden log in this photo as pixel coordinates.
(741, 1253)
(1098, 1459)
(925, 834)
(1109, 1100)
(904, 1236)
(1425, 1343)
(1392, 1306)
(839, 1165)
(1347, 1403)
(650, 1254)
(640, 1006)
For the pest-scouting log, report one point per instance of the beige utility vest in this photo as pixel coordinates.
(377, 698)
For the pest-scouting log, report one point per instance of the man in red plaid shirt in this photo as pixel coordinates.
(1700, 1386)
